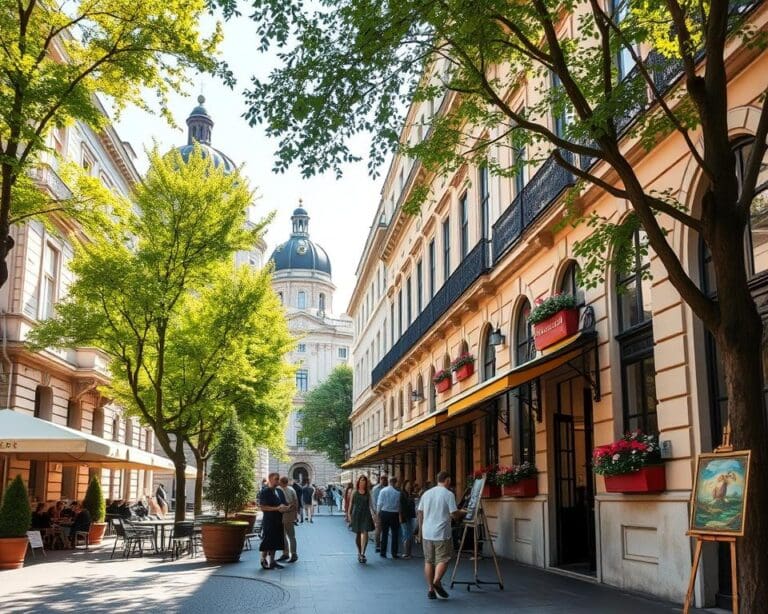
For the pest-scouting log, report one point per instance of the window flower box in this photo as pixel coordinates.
(649, 479)
(442, 380)
(554, 319)
(631, 465)
(491, 491)
(524, 488)
(463, 366)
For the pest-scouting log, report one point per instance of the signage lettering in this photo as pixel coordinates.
(8, 445)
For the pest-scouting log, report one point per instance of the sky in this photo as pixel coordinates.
(340, 211)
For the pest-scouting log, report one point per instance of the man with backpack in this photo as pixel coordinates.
(308, 499)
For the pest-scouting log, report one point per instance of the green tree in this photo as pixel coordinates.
(57, 58)
(352, 66)
(231, 480)
(137, 284)
(325, 415)
(239, 314)
(94, 501)
(15, 510)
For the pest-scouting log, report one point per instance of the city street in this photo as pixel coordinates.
(326, 579)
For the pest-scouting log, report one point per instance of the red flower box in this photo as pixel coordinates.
(464, 371)
(491, 491)
(443, 384)
(524, 488)
(555, 328)
(651, 478)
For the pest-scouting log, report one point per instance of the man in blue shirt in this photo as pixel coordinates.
(390, 516)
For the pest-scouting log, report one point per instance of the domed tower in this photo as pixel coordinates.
(302, 270)
(302, 280)
(200, 129)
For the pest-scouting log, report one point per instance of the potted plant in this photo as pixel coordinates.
(554, 319)
(15, 518)
(518, 480)
(230, 488)
(631, 465)
(463, 366)
(94, 503)
(491, 490)
(442, 380)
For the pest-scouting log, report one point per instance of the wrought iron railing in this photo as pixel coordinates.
(469, 270)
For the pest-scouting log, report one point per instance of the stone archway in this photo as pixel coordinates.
(301, 473)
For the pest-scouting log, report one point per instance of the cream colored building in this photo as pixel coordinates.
(463, 274)
(302, 280)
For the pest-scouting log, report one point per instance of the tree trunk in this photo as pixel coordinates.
(199, 478)
(181, 495)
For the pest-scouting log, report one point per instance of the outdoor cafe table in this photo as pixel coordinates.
(156, 524)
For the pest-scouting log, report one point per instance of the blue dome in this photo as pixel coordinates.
(219, 159)
(299, 252)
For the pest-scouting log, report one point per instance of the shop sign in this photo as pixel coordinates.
(8, 444)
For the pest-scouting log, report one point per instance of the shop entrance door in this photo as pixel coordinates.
(574, 484)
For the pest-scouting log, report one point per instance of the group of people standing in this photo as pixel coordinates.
(391, 511)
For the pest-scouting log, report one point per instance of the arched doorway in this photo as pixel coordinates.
(300, 473)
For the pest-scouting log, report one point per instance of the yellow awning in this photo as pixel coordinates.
(552, 358)
(355, 460)
(416, 429)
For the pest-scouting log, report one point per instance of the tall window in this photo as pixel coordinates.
(400, 312)
(519, 162)
(343, 353)
(638, 372)
(562, 111)
(624, 62)
(446, 249)
(419, 286)
(44, 403)
(523, 399)
(523, 340)
(280, 296)
(301, 300)
(489, 356)
(392, 323)
(49, 281)
(321, 302)
(492, 435)
(432, 392)
(432, 266)
(302, 380)
(301, 347)
(569, 283)
(408, 301)
(757, 238)
(464, 209)
(485, 203)
(115, 429)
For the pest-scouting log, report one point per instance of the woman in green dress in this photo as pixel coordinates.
(359, 516)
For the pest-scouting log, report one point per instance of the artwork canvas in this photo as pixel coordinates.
(474, 499)
(720, 494)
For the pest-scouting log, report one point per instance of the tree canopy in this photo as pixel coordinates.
(325, 415)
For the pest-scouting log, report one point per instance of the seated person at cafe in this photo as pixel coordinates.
(54, 512)
(40, 518)
(113, 507)
(69, 511)
(140, 509)
(82, 522)
(124, 510)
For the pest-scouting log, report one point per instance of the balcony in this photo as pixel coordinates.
(471, 268)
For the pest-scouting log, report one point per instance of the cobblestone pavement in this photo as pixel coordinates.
(326, 579)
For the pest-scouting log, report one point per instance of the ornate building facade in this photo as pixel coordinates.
(302, 280)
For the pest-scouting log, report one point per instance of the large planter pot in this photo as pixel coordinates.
(223, 541)
(648, 479)
(96, 532)
(249, 517)
(524, 488)
(491, 491)
(464, 371)
(12, 551)
(443, 385)
(560, 326)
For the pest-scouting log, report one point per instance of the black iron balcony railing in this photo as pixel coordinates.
(470, 269)
(544, 187)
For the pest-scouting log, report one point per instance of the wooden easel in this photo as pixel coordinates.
(478, 521)
(700, 539)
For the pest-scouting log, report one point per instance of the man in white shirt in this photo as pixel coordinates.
(437, 507)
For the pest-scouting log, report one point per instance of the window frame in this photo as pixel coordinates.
(464, 212)
(302, 380)
(446, 248)
(522, 313)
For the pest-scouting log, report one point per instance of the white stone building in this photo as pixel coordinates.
(302, 280)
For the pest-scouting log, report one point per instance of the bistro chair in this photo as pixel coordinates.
(183, 535)
(135, 538)
(81, 536)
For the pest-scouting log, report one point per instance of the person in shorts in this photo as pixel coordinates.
(437, 507)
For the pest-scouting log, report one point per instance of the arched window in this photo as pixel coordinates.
(115, 429)
(392, 413)
(129, 431)
(523, 338)
(400, 408)
(635, 337)
(409, 402)
(569, 283)
(420, 388)
(432, 391)
(757, 238)
(301, 300)
(321, 303)
(489, 355)
(98, 422)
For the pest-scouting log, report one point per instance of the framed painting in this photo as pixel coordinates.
(720, 493)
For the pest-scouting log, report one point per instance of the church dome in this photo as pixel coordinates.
(299, 252)
(200, 127)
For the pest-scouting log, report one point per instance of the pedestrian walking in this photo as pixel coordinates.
(299, 496)
(383, 482)
(388, 508)
(408, 513)
(360, 516)
(308, 499)
(289, 522)
(437, 507)
(162, 499)
(273, 505)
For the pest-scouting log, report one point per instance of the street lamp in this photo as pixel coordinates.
(497, 338)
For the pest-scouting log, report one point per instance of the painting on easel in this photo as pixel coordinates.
(720, 494)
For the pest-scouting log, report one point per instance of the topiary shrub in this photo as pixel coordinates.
(15, 511)
(94, 501)
(230, 480)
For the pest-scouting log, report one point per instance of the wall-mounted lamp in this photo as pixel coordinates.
(416, 396)
(497, 338)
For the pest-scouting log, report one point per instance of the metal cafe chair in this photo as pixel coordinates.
(183, 535)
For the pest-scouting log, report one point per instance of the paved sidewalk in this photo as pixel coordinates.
(327, 579)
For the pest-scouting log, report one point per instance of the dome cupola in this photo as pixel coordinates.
(200, 127)
(299, 252)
